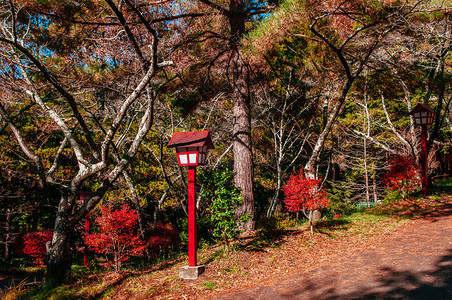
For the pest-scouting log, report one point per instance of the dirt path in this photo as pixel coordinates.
(412, 263)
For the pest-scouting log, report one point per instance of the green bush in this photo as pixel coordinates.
(223, 198)
(340, 203)
(392, 196)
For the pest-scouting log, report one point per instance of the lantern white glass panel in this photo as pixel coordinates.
(183, 159)
(423, 118)
(417, 118)
(192, 158)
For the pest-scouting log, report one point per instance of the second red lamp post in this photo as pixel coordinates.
(423, 116)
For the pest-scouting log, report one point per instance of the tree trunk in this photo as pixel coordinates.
(136, 201)
(366, 173)
(275, 198)
(243, 160)
(375, 188)
(59, 252)
(311, 166)
(311, 226)
(8, 234)
(278, 160)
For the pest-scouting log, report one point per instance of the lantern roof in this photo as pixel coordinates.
(192, 139)
(421, 107)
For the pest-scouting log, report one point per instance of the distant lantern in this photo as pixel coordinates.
(191, 147)
(423, 115)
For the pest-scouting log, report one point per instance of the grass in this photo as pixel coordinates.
(209, 285)
(274, 251)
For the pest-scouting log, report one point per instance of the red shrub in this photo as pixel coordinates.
(303, 194)
(403, 174)
(118, 238)
(34, 244)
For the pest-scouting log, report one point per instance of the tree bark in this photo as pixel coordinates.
(366, 173)
(366, 128)
(59, 252)
(243, 160)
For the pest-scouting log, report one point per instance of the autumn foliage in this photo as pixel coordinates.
(403, 174)
(118, 239)
(303, 194)
(34, 244)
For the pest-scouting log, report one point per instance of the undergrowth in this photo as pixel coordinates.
(227, 266)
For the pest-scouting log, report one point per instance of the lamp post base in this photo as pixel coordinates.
(187, 272)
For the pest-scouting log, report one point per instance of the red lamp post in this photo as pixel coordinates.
(191, 149)
(423, 116)
(85, 196)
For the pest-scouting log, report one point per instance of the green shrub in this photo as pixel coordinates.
(224, 198)
(340, 203)
(392, 196)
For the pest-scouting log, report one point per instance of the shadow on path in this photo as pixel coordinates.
(388, 283)
(414, 262)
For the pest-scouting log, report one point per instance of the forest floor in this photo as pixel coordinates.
(412, 262)
(24, 279)
(368, 254)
